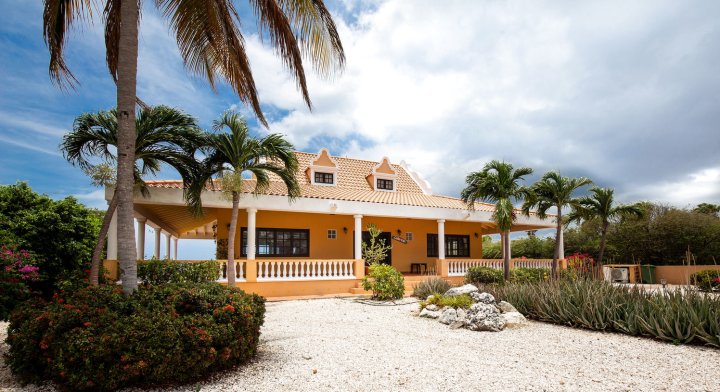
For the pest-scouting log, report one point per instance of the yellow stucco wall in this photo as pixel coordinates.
(342, 247)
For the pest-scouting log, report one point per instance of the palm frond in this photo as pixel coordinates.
(58, 19)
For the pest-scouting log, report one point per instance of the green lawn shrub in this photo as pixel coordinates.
(96, 338)
(673, 315)
(463, 301)
(157, 272)
(529, 275)
(484, 275)
(706, 280)
(385, 282)
(430, 286)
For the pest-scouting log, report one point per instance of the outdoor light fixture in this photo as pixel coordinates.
(477, 235)
(399, 231)
(345, 230)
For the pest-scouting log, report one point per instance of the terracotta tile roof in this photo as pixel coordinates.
(352, 185)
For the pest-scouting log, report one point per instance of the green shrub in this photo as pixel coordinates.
(529, 275)
(430, 286)
(463, 301)
(707, 280)
(676, 316)
(97, 338)
(484, 275)
(156, 272)
(385, 282)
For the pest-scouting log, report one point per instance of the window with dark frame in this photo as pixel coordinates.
(278, 242)
(323, 178)
(455, 245)
(384, 184)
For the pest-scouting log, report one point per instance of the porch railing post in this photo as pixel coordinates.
(251, 271)
(359, 268)
(442, 267)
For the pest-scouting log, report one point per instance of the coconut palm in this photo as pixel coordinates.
(211, 45)
(600, 205)
(164, 135)
(499, 183)
(553, 190)
(229, 156)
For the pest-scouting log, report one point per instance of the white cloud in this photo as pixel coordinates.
(93, 199)
(618, 92)
(693, 189)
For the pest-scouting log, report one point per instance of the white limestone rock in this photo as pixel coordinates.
(514, 320)
(485, 317)
(448, 316)
(430, 314)
(432, 308)
(506, 307)
(485, 298)
(460, 290)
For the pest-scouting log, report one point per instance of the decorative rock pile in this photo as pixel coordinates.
(484, 315)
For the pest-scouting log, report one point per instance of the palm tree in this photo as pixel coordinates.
(211, 45)
(229, 156)
(600, 205)
(498, 183)
(553, 190)
(164, 135)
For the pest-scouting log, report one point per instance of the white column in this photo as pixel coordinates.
(167, 245)
(175, 242)
(358, 237)
(141, 238)
(561, 251)
(112, 239)
(441, 239)
(157, 242)
(251, 233)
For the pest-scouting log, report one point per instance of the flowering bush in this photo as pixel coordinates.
(579, 266)
(707, 280)
(17, 268)
(96, 338)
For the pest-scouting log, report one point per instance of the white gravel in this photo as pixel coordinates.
(341, 345)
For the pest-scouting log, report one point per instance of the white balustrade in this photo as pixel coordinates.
(458, 267)
(532, 263)
(239, 271)
(284, 270)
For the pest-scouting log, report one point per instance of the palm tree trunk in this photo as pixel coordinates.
(95, 266)
(558, 238)
(126, 93)
(231, 239)
(601, 252)
(506, 257)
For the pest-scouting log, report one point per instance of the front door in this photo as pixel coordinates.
(384, 238)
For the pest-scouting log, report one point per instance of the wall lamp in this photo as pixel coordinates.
(477, 235)
(345, 230)
(399, 231)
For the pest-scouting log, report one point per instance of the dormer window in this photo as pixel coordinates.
(386, 185)
(323, 170)
(383, 177)
(324, 178)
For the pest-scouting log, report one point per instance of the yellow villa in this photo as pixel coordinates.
(312, 245)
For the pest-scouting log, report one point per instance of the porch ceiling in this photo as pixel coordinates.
(179, 221)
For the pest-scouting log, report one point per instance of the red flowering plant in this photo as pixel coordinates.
(17, 268)
(580, 265)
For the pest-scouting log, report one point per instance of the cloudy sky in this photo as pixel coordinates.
(626, 93)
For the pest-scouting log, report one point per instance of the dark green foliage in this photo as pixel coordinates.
(531, 247)
(156, 272)
(484, 275)
(463, 301)
(97, 338)
(529, 275)
(673, 316)
(385, 282)
(430, 286)
(661, 237)
(60, 233)
(707, 280)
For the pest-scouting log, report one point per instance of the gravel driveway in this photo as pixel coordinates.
(341, 345)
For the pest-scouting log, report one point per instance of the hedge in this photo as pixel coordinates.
(97, 338)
